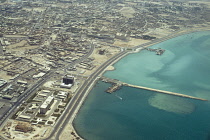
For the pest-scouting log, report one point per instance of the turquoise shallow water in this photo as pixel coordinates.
(183, 68)
(137, 114)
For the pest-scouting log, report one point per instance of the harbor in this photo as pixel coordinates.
(158, 51)
(116, 85)
(133, 107)
(113, 88)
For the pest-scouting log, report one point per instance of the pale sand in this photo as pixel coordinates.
(127, 12)
(100, 59)
(131, 43)
(19, 48)
(3, 75)
(17, 45)
(110, 68)
(37, 134)
(171, 104)
(188, 109)
(14, 35)
(67, 133)
(49, 84)
(159, 32)
(207, 3)
(39, 9)
(39, 59)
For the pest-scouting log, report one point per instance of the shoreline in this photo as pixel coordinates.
(154, 42)
(136, 50)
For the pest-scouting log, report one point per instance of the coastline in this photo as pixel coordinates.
(136, 50)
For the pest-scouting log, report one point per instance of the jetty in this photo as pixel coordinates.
(158, 51)
(165, 92)
(109, 80)
(116, 85)
(113, 88)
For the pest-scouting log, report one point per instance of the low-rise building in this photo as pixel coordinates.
(22, 82)
(46, 104)
(62, 95)
(2, 82)
(8, 97)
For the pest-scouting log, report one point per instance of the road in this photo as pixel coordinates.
(73, 104)
(23, 97)
(31, 90)
(71, 107)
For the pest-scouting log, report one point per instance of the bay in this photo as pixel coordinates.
(137, 114)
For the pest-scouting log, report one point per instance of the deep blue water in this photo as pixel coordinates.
(136, 114)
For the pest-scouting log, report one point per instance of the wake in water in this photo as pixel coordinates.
(118, 97)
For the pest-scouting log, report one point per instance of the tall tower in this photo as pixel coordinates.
(68, 79)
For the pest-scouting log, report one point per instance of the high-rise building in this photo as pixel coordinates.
(67, 82)
(68, 79)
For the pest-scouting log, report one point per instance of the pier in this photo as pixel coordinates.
(166, 92)
(113, 88)
(158, 51)
(116, 85)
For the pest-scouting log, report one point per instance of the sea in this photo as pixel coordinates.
(137, 114)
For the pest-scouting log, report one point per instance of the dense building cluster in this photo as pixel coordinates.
(42, 40)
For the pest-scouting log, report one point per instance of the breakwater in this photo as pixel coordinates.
(165, 92)
(113, 88)
(158, 51)
(116, 85)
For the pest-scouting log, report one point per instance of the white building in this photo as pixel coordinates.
(62, 95)
(2, 82)
(46, 104)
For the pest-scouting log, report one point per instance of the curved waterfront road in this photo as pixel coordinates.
(73, 104)
(31, 90)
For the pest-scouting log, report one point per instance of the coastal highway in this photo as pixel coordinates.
(70, 109)
(173, 35)
(73, 104)
(31, 90)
